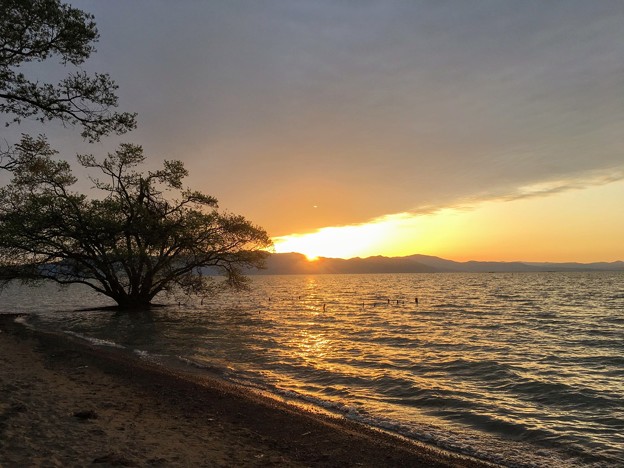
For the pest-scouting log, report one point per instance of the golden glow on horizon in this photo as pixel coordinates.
(576, 225)
(345, 241)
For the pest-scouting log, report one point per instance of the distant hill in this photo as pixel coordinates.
(295, 263)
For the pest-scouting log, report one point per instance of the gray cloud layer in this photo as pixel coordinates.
(371, 107)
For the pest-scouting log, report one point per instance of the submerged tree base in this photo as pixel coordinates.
(123, 309)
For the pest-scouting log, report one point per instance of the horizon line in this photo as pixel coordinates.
(313, 259)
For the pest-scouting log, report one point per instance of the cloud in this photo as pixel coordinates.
(589, 179)
(369, 108)
(537, 190)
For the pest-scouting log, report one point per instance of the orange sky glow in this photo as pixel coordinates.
(575, 225)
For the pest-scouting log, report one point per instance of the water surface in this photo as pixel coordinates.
(521, 368)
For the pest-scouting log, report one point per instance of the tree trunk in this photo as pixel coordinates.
(133, 302)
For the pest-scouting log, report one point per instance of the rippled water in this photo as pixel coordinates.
(521, 368)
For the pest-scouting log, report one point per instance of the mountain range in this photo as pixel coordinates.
(295, 263)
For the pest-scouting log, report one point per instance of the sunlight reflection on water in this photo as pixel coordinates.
(480, 360)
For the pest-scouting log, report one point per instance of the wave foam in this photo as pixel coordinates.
(94, 341)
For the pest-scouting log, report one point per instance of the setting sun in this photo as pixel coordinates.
(344, 242)
(494, 230)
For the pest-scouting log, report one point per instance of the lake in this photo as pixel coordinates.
(521, 368)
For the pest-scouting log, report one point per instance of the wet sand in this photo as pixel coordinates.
(64, 402)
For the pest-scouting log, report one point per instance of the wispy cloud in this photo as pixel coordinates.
(537, 190)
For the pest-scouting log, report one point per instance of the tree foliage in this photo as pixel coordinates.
(35, 31)
(146, 234)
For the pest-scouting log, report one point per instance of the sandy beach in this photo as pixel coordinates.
(67, 403)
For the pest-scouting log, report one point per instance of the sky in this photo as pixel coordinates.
(484, 130)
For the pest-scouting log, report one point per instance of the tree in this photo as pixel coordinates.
(145, 235)
(35, 31)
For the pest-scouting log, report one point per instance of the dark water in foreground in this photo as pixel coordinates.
(521, 368)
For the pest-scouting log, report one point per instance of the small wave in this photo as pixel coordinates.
(141, 353)
(335, 407)
(490, 423)
(94, 341)
(395, 341)
(431, 400)
(447, 305)
(203, 366)
(146, 355)
(603, 361)
(616, 320)
(563, 395)
(23, 320)
(481, 370)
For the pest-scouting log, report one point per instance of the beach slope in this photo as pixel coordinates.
(67, 403)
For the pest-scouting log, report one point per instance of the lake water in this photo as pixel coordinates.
(526, 369)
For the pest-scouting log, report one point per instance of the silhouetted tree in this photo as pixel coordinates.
(39, 30)
(144, 235)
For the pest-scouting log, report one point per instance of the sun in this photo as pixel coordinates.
(333, 242)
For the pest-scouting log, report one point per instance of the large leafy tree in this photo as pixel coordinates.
(40, 30)
(146, 234)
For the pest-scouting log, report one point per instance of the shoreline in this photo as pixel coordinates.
(69, 403)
